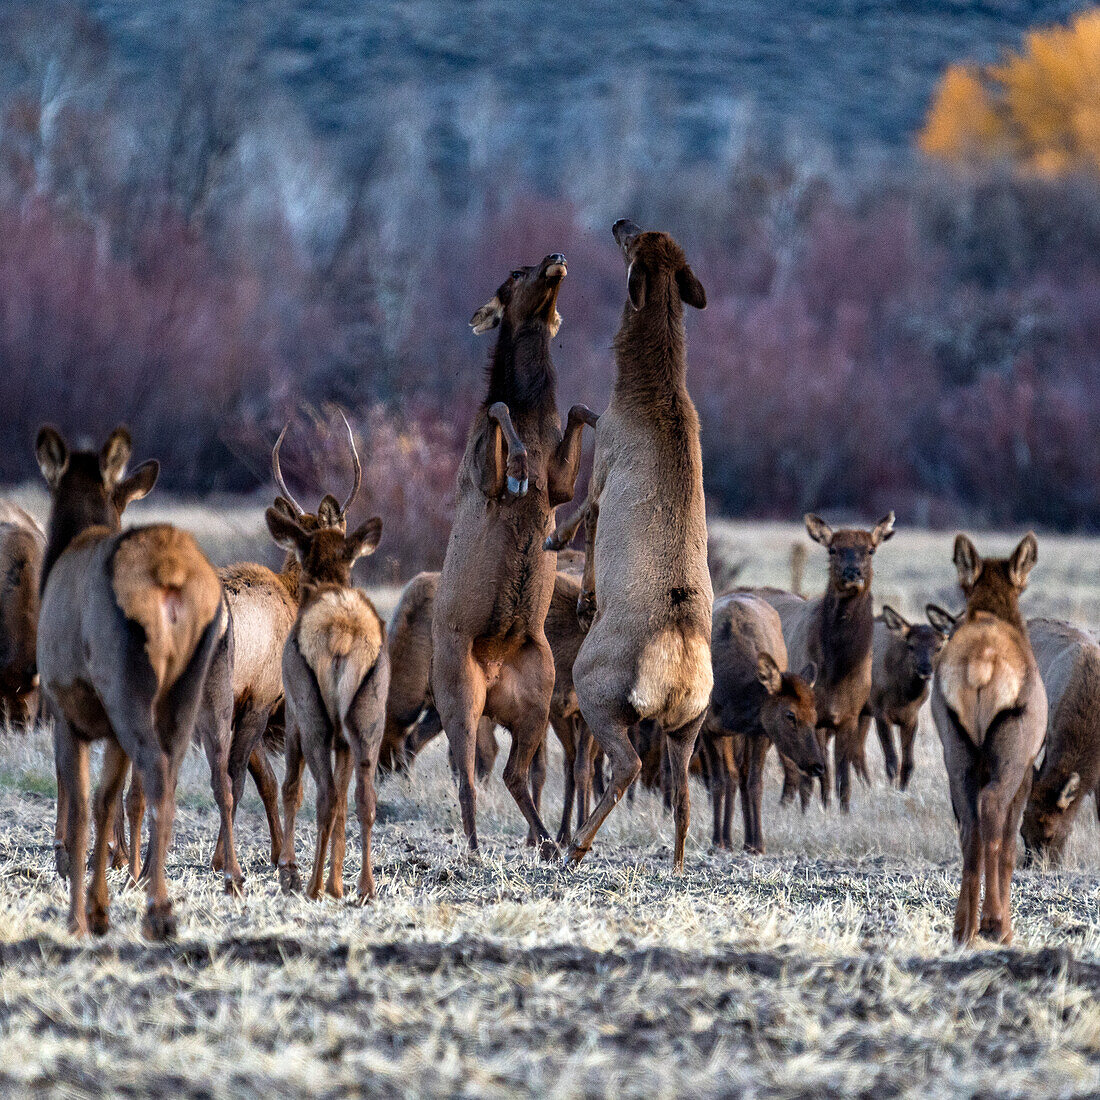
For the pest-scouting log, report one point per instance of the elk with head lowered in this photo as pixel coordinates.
(490, 655)
(22, 545)
(128, 625)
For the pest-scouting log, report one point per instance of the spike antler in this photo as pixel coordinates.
(358, 468)
(278, 473)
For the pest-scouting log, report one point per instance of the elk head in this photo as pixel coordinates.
(528, 296)
(1046, 822)
(656, 267)
(789, 714)
(995, 584)
(326, 554)
(922, 643)
(850, 552)
(88, 488)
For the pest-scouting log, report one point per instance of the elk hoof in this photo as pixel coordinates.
(586, 609)
(552, 543)
(575, 855)
(234, 886)
(517, 486)
(548, 850)
(159, 922)
(61, 860)
(290, 882)
(98, 921)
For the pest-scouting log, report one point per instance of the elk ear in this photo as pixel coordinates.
(818, 529)
(809, 674)
(115, 454)
(328, 512)
(52, 454)
(635, 284)
(283, 505)
(884, 530)
(1023, 560)
(942, 621)
(286, 532)
(767, 672)
(968, 562)
(691, 290)
(894, 622)
(488, 317)
(139, 484)
(1066, 794)
(364, 541)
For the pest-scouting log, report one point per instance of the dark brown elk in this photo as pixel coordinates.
(834, 632)
(647, 654)
(904, 658)
(335, 674)
(990, 709)
(1069, 663)
(490, 656)
(128, 624)
(758, 701)
(22, 545)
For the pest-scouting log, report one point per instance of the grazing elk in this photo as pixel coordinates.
(990, 709)
(756, 700)
(1069, 663)
(903, 659)
(335, 675)
(490, 656)
(22, 546)
(834, 632)
(647, 654)
(128, 624)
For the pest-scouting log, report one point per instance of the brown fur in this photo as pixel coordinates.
(990, 709)
(22, 546)
(128, 626)
(490, 656)
(647, 655)
(834, 632)
(1069, 663)
(756, 699)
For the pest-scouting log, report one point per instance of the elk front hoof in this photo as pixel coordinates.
(996, 930)
(290, 882)
(160, 922)
(553, 543)
(575, 855)
(98, 920)
(234, 886)
(334, 889)
(548, 850)
(61, 860)
(517, 486)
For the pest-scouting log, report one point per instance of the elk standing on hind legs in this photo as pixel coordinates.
(647, 654)
(490, 655)
(990, 708)
(335, 674)
(128, 625)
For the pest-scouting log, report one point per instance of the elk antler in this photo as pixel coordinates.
(278, 474)
(355, 463)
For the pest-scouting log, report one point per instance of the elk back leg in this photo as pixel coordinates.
(341, 780)
(565, 731)
(263, 776)
(752, 792)
(115, 766)
(290, 881)
(537, 781)
(680, 745)
(71, 757)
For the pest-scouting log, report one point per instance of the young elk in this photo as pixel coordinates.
(1069, 663)
(128, 624)
(335, 673)
(834, 631)
(904, 657)
(755, 698)
(647, 654)
(990, 709)
(22, 545)
(490, 656)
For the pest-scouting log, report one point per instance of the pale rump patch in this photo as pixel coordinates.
(674, 678)
(982, 672)
(163, 582)
(340, 636)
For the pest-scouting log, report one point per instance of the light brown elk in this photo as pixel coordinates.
(990, 709)
(22, 545)
(128, 624)
(1069, 663)
(490, 656)
(335, 674)
(647, 654)
(903, 660)
(758, 701)
(834, 632)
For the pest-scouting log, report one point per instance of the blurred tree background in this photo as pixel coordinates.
(217, 218)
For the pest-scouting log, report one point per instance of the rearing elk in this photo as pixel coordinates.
(490, 656)
(128, 624)
(990, 708)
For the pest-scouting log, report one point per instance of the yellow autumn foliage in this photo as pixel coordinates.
(1039, 107)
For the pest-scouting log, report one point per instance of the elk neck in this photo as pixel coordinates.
(995, 595)
(650, 348)
(521, 371)
(291, 576)
(847, 630)
(67, 522)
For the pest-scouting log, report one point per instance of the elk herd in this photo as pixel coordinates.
(131, 637)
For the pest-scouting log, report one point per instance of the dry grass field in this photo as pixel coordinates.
(824, 968)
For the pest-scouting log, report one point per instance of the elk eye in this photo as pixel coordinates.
(790, 716)
(517, 274)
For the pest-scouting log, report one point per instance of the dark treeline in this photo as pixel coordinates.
(197, 256)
